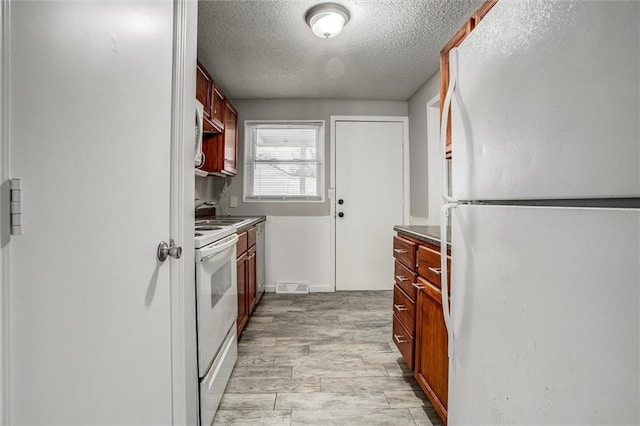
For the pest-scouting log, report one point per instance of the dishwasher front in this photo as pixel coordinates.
(260, 260)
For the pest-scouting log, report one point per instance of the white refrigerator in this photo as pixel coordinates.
(544, 207)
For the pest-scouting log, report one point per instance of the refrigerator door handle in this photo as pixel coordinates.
(444, 121)
(444, 282)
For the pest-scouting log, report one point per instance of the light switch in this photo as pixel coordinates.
(233, 201)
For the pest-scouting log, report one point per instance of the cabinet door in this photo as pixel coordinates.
(203, 89)
(431, 360)
(217, 108)
(220, 150)
(230, 140)
(243, 314)
(251, 279)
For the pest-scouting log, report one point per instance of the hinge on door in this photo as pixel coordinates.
(15, 189)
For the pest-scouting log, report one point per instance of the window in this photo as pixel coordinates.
(283, 161)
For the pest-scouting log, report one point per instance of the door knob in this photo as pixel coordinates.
(340, 214)
(340, 201)
(165, 251)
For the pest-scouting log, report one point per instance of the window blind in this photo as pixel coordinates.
(284, 162)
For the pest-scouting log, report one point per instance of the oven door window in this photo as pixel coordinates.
(216, 276)
(220, 283)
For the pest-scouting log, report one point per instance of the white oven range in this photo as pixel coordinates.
(217, 310)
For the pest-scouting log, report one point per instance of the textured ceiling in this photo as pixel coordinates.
(263, 49)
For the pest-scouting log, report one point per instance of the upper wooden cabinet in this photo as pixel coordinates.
(217, 107)
(220, 138)
(230, 136)
(456, 41)
(221, 150)
(204, 85)
(211, 99)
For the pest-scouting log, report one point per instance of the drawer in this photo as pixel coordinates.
(242, 245)
(251, 236)
(405, 279)
(404, 309)
(212, 385)
(429, 265)
(403, 341)
(405, 252)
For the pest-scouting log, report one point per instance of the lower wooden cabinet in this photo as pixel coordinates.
(419, 330)
(243, 313)
(251, 279)
(431, 365)
(247, 278)
(404, 341)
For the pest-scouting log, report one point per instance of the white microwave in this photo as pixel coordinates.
(199, 155)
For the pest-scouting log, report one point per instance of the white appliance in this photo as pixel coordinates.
(261, 277)
(544, 323)
(199, 130)
(217, 310)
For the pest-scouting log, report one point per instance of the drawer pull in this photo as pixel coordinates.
(435, 271)
(416, 286)
(398, 339)
(400, 308)
(400, 251)
(401, 278)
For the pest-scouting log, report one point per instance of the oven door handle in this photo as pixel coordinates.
(215, 248)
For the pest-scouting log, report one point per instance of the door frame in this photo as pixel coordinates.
(181, 278)
(184, 368)
(5, 167)
(433, 137)
(332, 183)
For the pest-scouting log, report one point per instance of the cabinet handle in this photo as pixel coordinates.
(400, 251)
(400, 308)
(398, 339)
(435, 271)
(401, 278)
(417, 286)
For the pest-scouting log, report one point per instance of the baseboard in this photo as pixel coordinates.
(312, 289)
(320, 288)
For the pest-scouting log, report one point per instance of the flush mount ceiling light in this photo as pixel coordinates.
(326, 20)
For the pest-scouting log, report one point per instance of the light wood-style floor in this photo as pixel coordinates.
(322, 359)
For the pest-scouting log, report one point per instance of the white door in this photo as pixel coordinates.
(90, 339)
(369, 201)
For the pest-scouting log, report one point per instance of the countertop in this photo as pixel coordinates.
(252, 221)
(428, 234)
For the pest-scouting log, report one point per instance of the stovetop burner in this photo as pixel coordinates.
(207, 234)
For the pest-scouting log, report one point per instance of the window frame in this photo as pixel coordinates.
(249, 125)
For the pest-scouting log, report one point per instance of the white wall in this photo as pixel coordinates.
(293, 109)
(418, 142)
(298, 234)
(297, 250)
